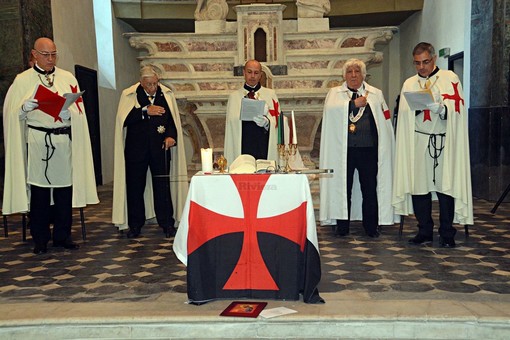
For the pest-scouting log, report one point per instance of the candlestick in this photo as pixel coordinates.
(294, 134)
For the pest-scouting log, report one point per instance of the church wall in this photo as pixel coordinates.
(75, 37)
(443, 24)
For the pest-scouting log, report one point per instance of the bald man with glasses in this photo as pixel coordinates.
(432, 152)
(48, 164)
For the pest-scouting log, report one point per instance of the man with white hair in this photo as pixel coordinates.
(150, 175)
(357, 142)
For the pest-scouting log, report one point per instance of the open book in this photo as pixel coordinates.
(247, 164)
(52, 103)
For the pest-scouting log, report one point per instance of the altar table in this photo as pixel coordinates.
(249, 236)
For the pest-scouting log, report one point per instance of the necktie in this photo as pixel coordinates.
(151, 98)
(354, 109)
(251, 94)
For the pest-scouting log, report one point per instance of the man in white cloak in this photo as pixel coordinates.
(145, 105)
(357, 142)
(57, 169)
(432, 154)
(259, 137)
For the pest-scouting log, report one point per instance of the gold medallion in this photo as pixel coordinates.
(352, 128)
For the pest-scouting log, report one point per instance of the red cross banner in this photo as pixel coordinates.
(249, 236)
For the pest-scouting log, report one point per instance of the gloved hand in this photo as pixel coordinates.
(65, 114)
(30, 105)
(436, 108)
(261, 121)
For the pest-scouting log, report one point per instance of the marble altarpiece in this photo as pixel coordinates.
(301, 60)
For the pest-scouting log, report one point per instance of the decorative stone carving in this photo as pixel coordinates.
(312, 8)
(301, 67)
(211, 10)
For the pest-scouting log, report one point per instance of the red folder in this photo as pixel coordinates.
(49, 102)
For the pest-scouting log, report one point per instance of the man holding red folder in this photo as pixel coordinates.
(48, 157)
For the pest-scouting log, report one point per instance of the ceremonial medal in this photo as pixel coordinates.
(352, 128)
(161, 129)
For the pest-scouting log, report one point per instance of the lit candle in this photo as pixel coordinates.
(294, 134)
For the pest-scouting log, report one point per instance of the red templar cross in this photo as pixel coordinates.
(455, 96)
(74, 89)
(250, 271)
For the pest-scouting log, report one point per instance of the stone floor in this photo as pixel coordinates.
(385, 282)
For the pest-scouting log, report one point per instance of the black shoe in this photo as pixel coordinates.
(419, 239)
(40, 249)
(374, 234)
(133, 232)
(169, 231)
(446, 242)
(67, 245)
(341, 231)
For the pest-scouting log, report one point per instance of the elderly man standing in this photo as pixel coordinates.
(432, 155)
(58, 164)
(150, 173)
(357, 134)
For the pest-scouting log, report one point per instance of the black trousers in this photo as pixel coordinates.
(42, 214)
(136, 174)
(365, 161)
(422, 205)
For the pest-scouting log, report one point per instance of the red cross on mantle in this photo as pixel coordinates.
(426, 115)
(250, 271)
(455, 96)
(74, 89)
(275, 111)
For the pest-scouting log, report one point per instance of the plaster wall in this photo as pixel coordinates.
(75, 37)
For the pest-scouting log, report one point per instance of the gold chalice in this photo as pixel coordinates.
(222, 163)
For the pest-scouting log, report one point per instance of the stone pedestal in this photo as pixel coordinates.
(312, 24)
(489, 114)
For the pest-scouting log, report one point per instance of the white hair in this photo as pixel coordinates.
(355, 63)
(148, 71)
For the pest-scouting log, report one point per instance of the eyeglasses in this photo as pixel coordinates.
(424, 62)
(47, 54)
(150, 84)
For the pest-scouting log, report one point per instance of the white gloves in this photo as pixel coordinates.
(29, 105)
(261, 121)
(436, 108)
(65, 114)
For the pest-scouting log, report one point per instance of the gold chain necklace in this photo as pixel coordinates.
(424, 87)
(354, 119)
(49, 79)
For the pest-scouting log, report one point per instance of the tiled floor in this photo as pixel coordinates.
(110, 267)
(118, 288)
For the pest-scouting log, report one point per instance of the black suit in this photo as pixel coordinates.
(144, 149)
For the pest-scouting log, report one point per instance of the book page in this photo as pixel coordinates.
(70, 99)
(274, 312)
(244, 164)
(265, 165)
(418, 100)
(251, 108)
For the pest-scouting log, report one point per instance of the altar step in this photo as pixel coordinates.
(346, 315)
